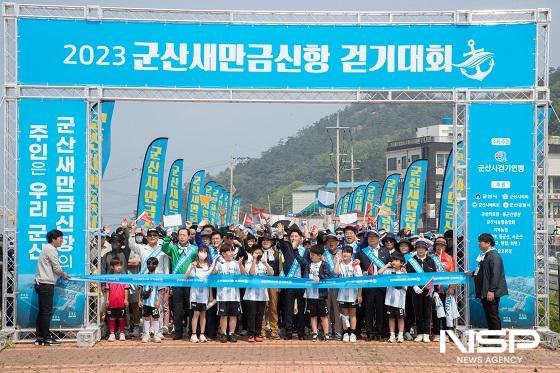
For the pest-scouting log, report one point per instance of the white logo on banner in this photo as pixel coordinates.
(477, 58)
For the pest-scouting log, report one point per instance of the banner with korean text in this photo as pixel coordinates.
(150, 195)
(388, 203)
(446, 213)
(51, 195)
(235, 210)
(206, 200)
(357, 203)
(107, 108)
(194, 210)
(500, 200)
(222, 55)
(371, 196)
(413, 195)
(174, 190)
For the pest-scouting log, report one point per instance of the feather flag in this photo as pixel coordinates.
(150, 194)
(194, 208)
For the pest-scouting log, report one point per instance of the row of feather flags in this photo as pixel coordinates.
(205, 200)
(380, 206)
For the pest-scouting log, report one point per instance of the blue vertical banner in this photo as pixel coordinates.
(357, 203)
(235, 210)
(94, 167)
(150, 195)
(194, 210)
(214, 215)
(346, 203)
(388, 203)
(107, 108)
(500, 198)
(227, 208)
(174, 190)
(413, 195)
(52, 194)
(446, 214)
(206, 200)
(371, 196)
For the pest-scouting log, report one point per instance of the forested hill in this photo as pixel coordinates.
(306, 158)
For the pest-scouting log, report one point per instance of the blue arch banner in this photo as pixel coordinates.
(139, 54)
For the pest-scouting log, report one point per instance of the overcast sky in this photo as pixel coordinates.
(206, 135)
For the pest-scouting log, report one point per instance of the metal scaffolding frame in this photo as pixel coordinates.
(94, 95)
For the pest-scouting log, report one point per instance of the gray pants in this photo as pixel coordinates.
(334, 312)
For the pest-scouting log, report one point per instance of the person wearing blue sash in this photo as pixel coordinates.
(293, 253)
(373, 257)
(444, 263)
(216, 240)
(421, 301)
(181, 253)
(406, 248)
(335, 323)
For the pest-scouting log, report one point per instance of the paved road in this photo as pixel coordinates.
(272, 356)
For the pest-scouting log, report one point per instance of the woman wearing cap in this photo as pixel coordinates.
(390, 243)
(421, 301)
(406, 249)
(444, 263)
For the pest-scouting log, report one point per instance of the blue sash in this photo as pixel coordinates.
(417, 267)
(439, 264)
(213, 253)
(154, 254)
(372, 258)
(184, 258)
(295, 264)
(408, 256)
(329, 259)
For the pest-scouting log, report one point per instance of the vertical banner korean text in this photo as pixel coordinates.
(413, 195)
(500, 197)
(447, 200)
(150, 195)
(388, 203)
(371, 196)
(174, 191)
(194, 210)
(52, 195)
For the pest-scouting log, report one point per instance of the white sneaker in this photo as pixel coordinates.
(426, 338)
(346, 337)
(419, 338)
(157, 338)
(159, 335)
(202, 339)
(111, 337)
(194, 339)
(165, 330)
(392, 339)
(122, 337)
(353, 338)
(407, 336)
(400, 338)
(145, 338)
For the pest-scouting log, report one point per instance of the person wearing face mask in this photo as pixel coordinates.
(421, 301)
(405, 248)
(181, 253)
(293, 253)
(373, 257)
(199, 297)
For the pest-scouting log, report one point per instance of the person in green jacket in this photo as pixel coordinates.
(182, 253)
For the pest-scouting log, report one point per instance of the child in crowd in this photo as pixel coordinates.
(256, 298)
(348, 299)
(150, 301)
(395, 298)
(116, 296)
(199, 297)
(316, 299)
(229, 306)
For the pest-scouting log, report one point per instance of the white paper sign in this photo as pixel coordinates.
(348, 218)
(172, 220)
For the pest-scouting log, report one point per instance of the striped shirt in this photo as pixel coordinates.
(257, 294)
(228, 294)
(152, 299)
(395, 297)
(313, 293)
(348, 270)
(200, 295)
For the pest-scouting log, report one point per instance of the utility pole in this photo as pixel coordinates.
(233, 161)
(337, 128)
(352, 168)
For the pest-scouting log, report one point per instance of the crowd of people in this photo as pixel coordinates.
(153, 313)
